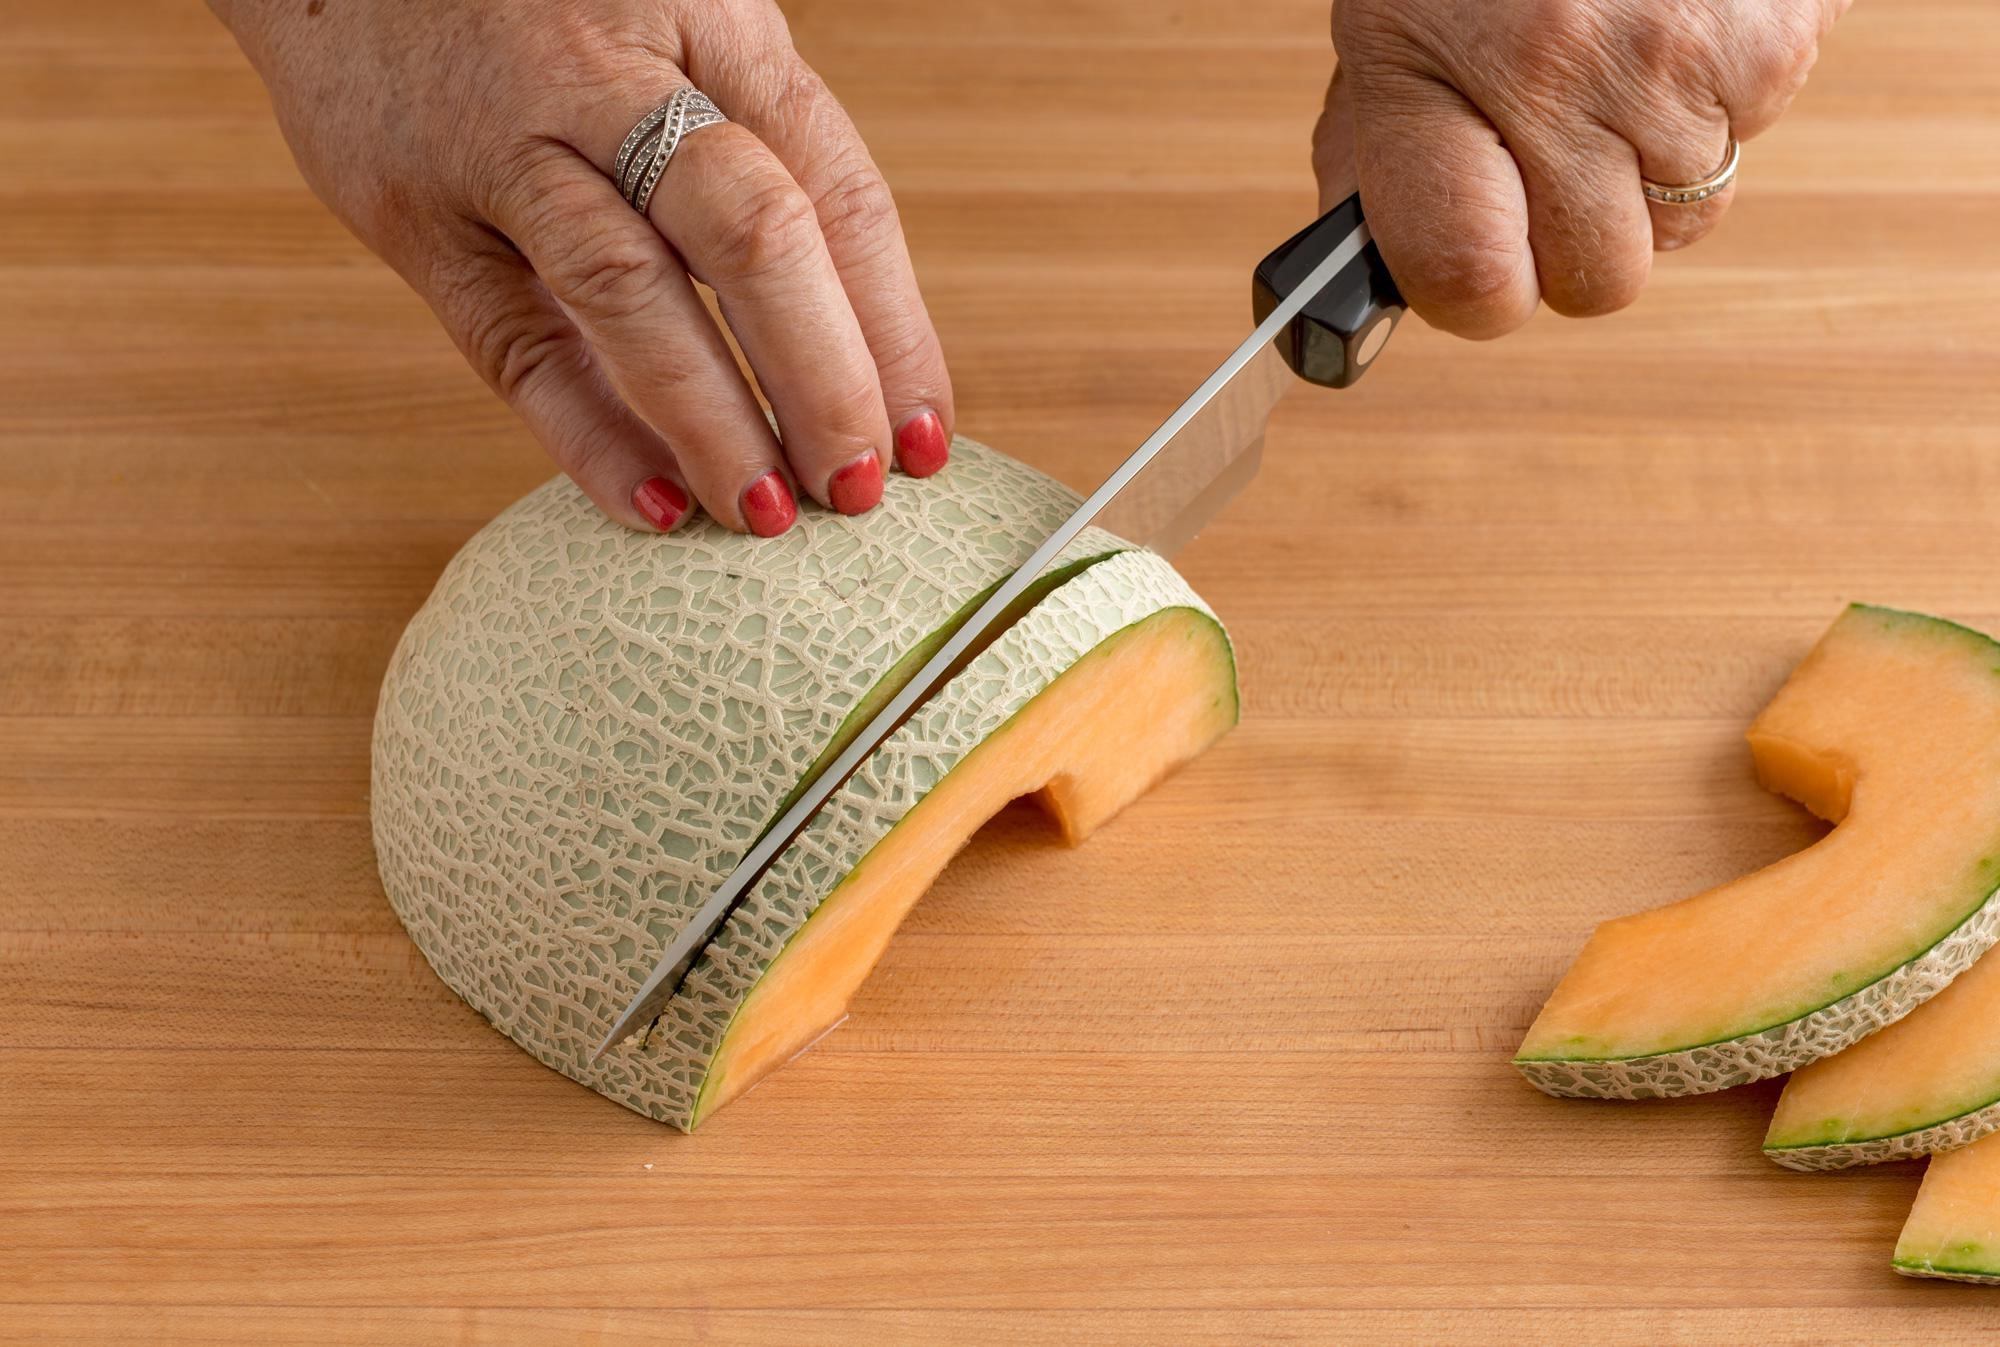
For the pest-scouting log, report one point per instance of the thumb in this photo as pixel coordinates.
(1333, 144)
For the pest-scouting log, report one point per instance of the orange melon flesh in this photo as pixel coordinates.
(1953, 1230)
(1928, 1082)
(1143, 702)
(1889, 728)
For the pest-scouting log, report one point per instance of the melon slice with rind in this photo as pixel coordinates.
(1117, 677)
(1929, 1082)
(1953, 1229)
(584, 726)
(1890, 728)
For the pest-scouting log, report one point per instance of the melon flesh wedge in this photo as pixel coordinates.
(1929, 1082)
(1114, 679)
(1953, 1230)
(1889, 728)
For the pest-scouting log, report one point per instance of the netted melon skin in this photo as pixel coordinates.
(1948, 1135)
(1063, 628)
(1784, 1047)
(585, 726)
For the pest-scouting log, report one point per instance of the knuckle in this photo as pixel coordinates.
(509, 343)
(905, 349)
(798, 96)
(1784, 52)
(1594, 290)
(1668, 49)
(1471, 283)
(770, 228)
(525, 187)
(851, 416)
(1689, 227)
(514, 353)
(584, 50)
(1560, 18)
(1549, 45)
(610, 277)
(857, 209)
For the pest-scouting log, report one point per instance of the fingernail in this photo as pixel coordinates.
(662, 502)
(768, 506)
(921, 444)
(858, 486)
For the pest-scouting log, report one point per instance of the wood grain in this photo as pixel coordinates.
(1236, 1071)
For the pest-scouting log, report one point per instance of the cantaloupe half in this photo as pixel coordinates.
(1953, 1229)
(1889, 728)
(584, 727)
(1929, 1082)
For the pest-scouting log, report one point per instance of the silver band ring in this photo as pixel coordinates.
(1686, 194)
(645, 154)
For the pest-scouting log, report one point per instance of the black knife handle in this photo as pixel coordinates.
(1343, 328)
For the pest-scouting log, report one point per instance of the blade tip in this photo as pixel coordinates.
(619, 1033)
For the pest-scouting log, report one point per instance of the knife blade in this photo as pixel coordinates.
(1161, 495)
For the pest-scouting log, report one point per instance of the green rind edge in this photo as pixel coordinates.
(1910, 1267)
(1944, 1134)
(1791, 1019)
(1725, 1063)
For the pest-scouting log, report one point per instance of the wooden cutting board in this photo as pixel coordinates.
(1237, 1070)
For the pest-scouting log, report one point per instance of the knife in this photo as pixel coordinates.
(1324, 305)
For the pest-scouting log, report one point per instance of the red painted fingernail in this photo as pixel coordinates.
(768, 506)
(662, 502)
(921, 444)
(858, 486)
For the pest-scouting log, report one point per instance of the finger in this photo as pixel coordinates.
(747, 230)
(634, 304)
(1445, 202)
(513, 333)
(1587, 221)
(1759, 75)
(1678, 151)
(792, 111)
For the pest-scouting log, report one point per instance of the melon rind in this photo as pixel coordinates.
(585, 726)
(1948, 1135)
(1953, 1230)
(1930, 1273)
(1783, 1047)
(1062, 629)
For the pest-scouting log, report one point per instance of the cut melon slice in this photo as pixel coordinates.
(1889, 728)
(1112, 681)
(584, 726)
(1929, 1082)
(1953, 1230)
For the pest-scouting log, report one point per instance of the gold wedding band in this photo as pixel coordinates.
(1686, 194)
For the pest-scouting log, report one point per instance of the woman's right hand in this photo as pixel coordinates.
(1501, 145)
(469, 143)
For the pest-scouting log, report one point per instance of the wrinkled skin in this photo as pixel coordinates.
(1498, 145)
(469, 143)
